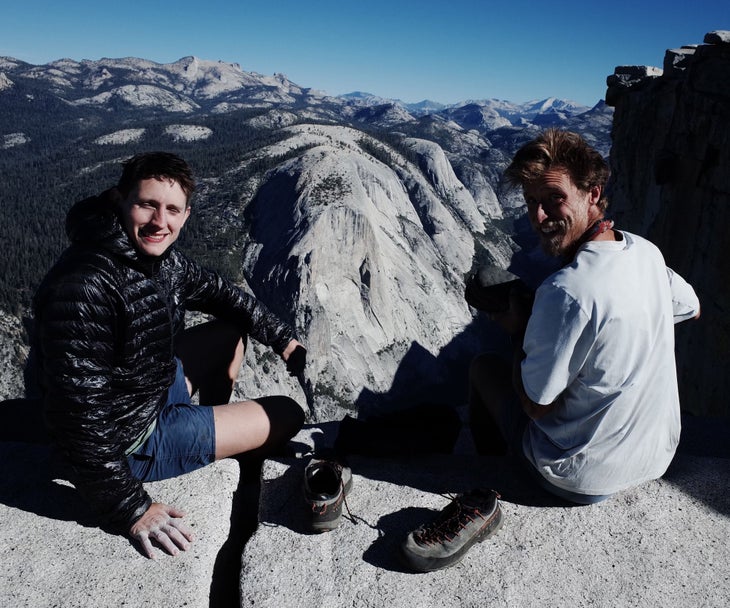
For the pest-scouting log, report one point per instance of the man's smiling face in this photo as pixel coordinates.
(559, 212)
(154, 213)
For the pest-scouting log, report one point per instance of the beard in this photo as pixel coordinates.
(553, 242)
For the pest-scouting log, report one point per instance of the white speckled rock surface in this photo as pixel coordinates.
(663, 544)
(52, 556)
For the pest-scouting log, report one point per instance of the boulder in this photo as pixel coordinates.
(676, 61)
(718, 37)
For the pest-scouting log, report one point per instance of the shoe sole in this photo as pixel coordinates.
(429, 564)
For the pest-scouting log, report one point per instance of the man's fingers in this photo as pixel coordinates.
(183, 529)
(163, 539)
(181, 538)
(175, 512)
(171, 538)
(144, 540)
(162, 524)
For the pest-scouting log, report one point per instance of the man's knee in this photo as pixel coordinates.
(214, 339)
(212, 354)
(285, 415)
(293, 415)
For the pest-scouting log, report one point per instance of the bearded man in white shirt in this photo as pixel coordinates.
(591, 405)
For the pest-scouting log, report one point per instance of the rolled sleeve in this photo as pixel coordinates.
(685, 303)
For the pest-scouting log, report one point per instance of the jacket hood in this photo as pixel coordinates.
(95, 219)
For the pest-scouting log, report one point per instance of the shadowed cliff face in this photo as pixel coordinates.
(670, 162)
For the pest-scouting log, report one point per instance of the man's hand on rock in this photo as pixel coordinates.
(163, 524)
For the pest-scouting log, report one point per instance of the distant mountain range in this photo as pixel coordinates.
(507, 109)
(193, 86)
(354, 217)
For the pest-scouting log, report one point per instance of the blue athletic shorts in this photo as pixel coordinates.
(183, 439)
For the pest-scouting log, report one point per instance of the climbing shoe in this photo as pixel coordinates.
(468, 519)
(327, 480)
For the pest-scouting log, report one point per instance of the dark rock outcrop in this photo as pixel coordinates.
(670, 162)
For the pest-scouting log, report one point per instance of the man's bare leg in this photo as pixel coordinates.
(212, 354)
(255, 427)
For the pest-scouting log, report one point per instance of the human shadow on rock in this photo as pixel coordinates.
(455, 474)
(32, 481)
(424, 377)
(701, 467)
(392, 530)
(285, 505)
(224, 586)
(23, 421)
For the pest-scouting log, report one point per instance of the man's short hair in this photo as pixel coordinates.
(557, 149)
(157, 165)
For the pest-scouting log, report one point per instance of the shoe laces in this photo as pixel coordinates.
(349, 515)
(456, 516)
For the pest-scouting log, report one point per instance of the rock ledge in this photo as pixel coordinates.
(52, 556)
(663, 544)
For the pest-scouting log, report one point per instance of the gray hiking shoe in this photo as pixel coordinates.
(326, 483)
(468, 519)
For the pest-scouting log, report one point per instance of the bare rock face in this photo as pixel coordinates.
(670, 162)
(54, 555)
(367, 257)
(661, 544)
(5, 82)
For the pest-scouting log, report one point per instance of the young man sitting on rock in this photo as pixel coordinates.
(590, 404)
(117, 367)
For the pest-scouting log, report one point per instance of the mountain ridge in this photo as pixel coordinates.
(223, 77)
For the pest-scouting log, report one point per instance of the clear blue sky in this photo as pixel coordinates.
(445, 51)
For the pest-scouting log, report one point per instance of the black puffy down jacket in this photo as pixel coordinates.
(106, 320)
